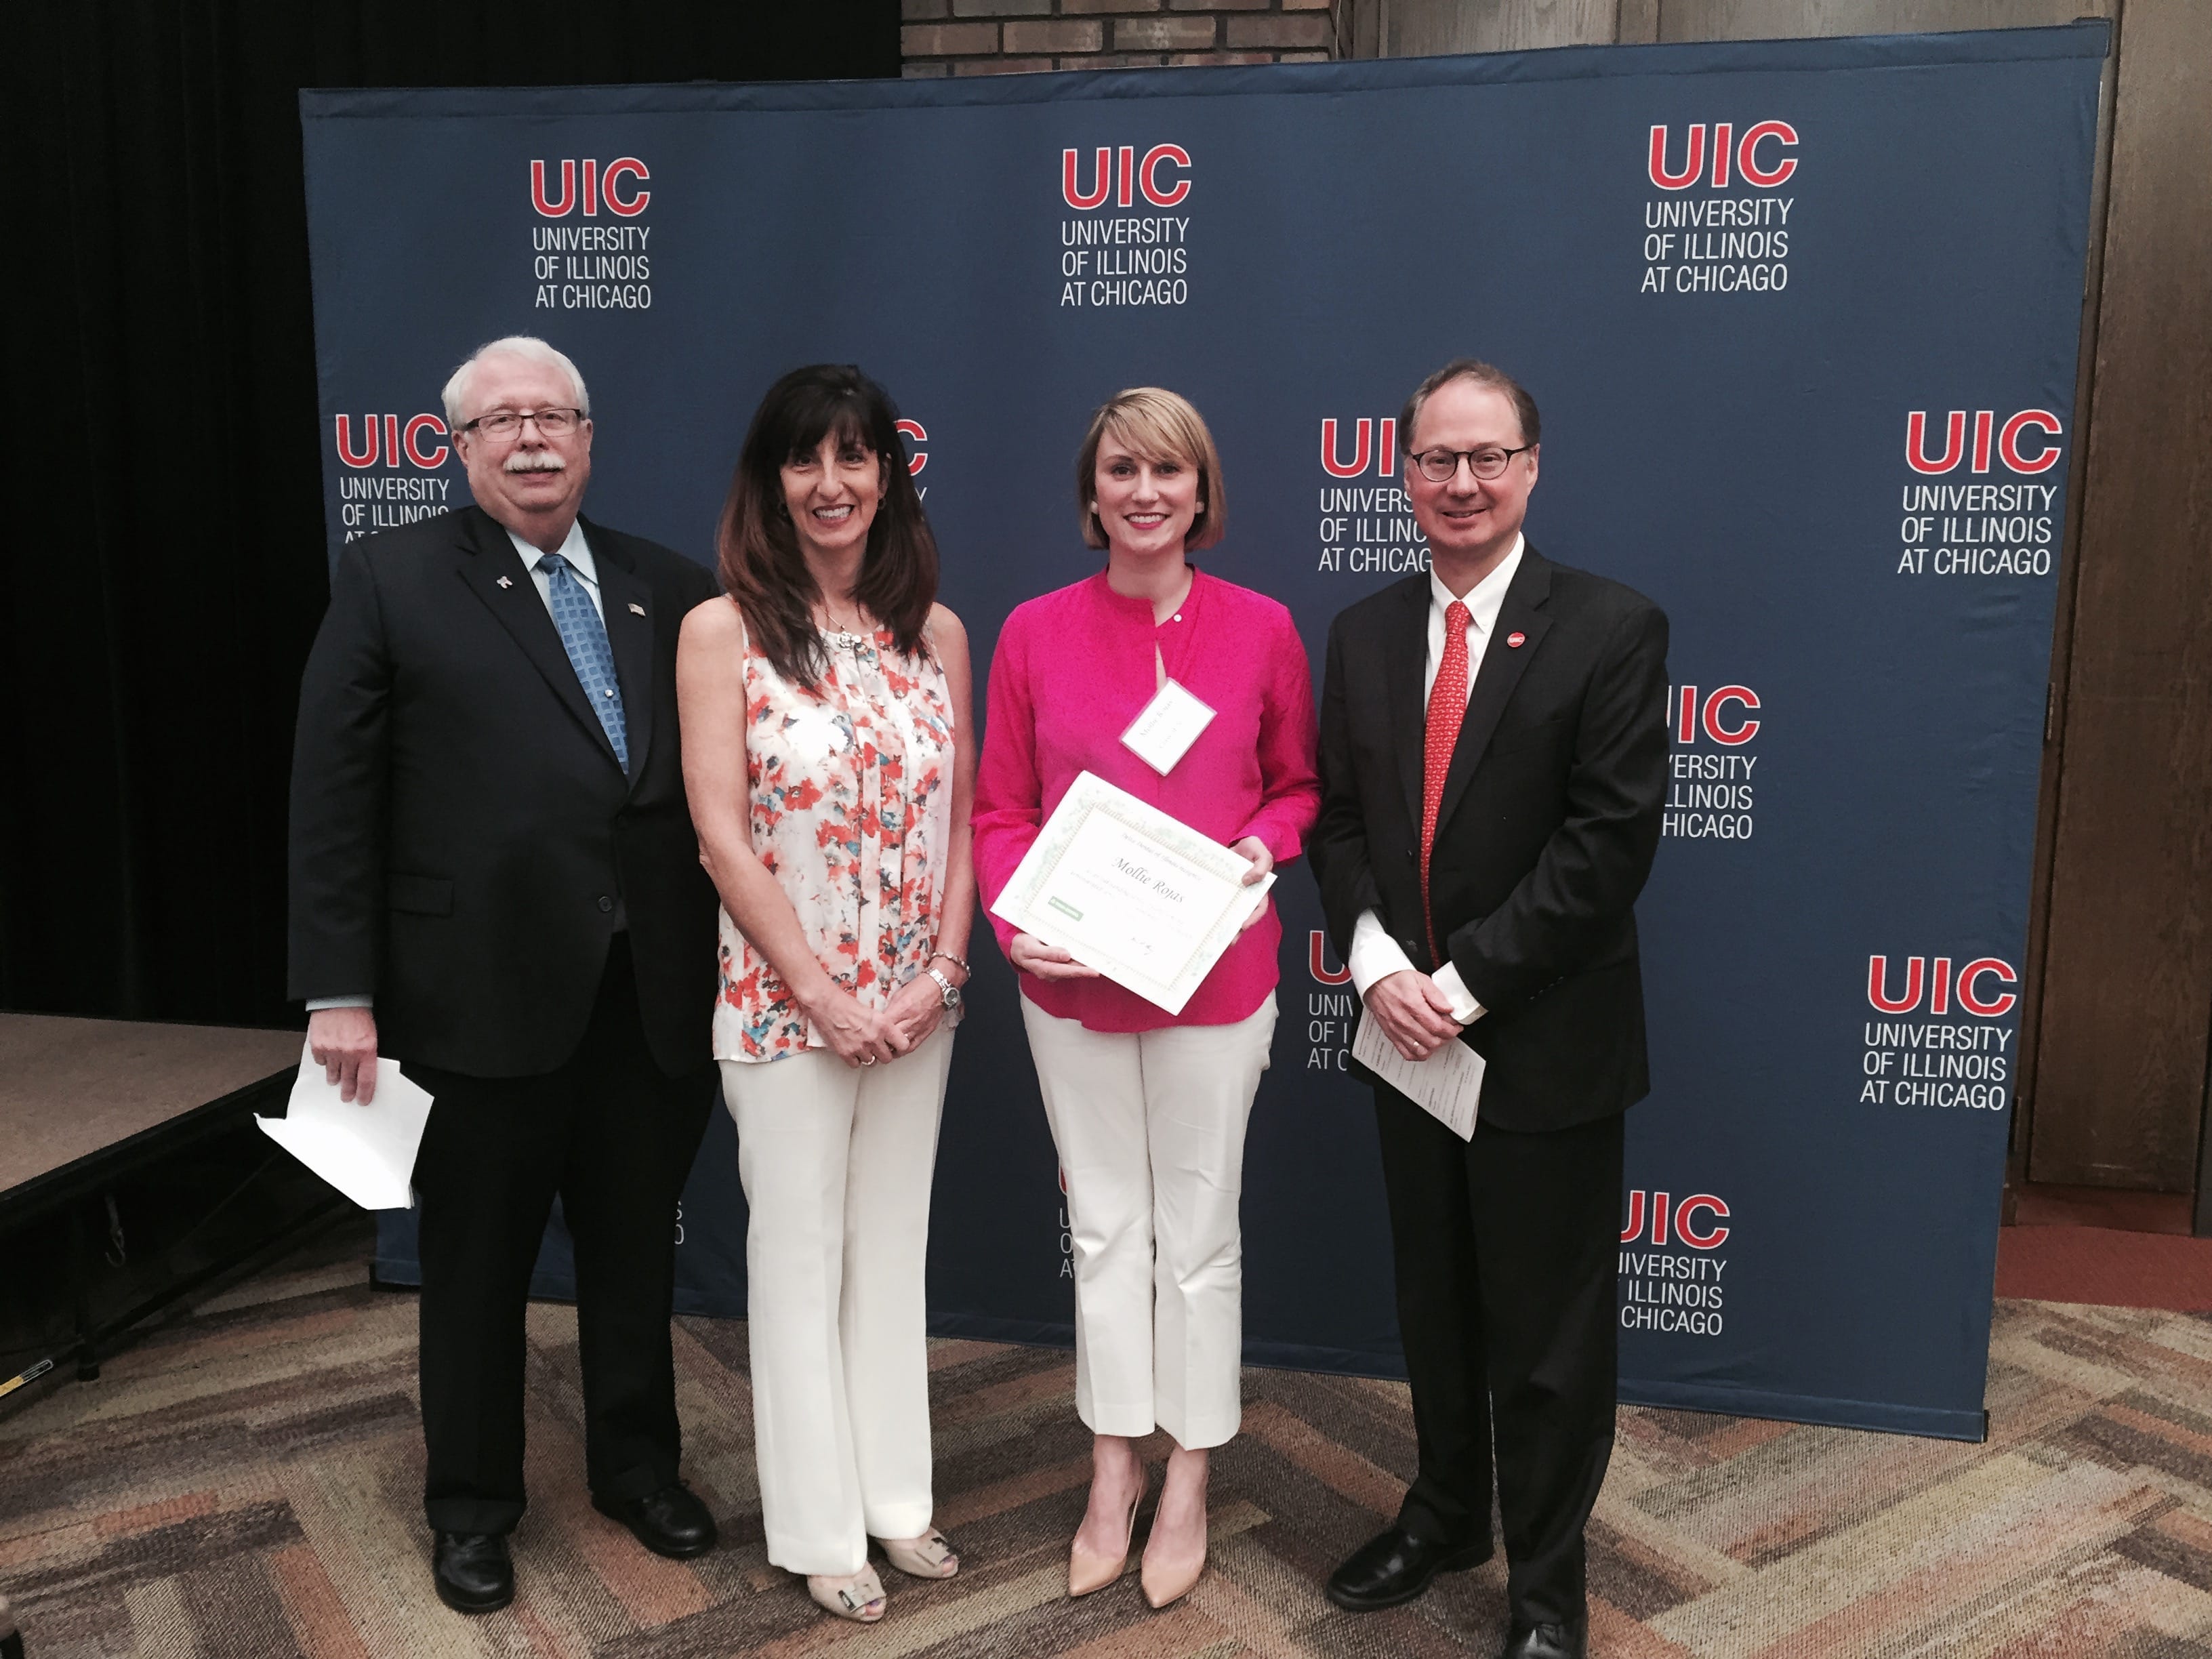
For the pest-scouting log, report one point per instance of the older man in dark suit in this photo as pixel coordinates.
(1493, 759)
(493, 878)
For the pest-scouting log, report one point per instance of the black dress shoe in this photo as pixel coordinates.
(1547, 1641)
(1394, 1566)
(671, 1521)
(473, 1571)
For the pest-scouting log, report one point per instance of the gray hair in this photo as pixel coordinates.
(527, 347)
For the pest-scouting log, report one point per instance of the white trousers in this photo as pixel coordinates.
(836, 1162)
(1150, 1127)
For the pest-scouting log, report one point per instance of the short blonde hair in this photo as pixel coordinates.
(1157, 425)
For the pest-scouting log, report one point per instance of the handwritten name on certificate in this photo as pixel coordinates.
(1121, 887)
(1447, 1085)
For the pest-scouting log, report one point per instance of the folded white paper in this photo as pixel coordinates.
(366, 1153)
(1447, 1085)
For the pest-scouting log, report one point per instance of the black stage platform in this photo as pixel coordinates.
(131, 1174)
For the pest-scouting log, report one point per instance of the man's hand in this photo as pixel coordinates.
(1415, 1014)
(344, 1044)
(1254, 852)
(1033, 956)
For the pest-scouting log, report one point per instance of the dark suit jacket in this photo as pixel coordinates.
(461, 831)
(1549, 821)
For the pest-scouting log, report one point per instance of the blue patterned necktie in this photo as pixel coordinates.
(584, 636)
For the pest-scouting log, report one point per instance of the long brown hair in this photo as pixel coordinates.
(762, 567)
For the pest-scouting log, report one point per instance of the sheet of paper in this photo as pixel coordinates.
(1447, 1085)
(1163, 732)
(366, 1153)
(1120, 886)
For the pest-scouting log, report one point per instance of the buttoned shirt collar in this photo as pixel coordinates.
(1483, 602)
(578, 552)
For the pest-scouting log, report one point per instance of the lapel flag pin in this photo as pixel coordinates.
(507, 581)
(1515, 640)
(635, 606)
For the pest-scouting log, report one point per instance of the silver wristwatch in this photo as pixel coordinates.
(952, 998)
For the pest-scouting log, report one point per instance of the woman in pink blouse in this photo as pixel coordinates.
(829, 763)
(1148, 1109)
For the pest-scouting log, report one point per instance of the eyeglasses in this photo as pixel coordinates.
(508, 423)
(1442, 466)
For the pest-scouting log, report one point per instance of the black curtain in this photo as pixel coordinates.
(163, 566)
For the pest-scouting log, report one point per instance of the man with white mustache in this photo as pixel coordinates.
(494, 880)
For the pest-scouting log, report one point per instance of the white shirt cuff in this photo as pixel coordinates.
(1464, 1008)
(1374, 954)
(316, 1005)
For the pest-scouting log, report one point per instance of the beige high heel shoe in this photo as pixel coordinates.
(1161, 1586)
(1087, 1572)
(862, 1600)
(1160, 1590)
(930, 1556)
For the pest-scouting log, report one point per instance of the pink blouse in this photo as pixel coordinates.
(1072, 671)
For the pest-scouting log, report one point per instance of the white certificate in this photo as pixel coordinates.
(1163, 732)
(1447, 1085)
(1121, 887)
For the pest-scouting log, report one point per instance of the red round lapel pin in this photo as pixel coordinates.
(1515, 640)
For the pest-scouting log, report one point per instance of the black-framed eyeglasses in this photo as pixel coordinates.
(1442, 466)
(506, 423)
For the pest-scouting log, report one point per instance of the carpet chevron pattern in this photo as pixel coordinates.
(244, 1481)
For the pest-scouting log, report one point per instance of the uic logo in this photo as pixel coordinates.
(1749, 166)
(915, 431)
(588, 183)
(2006, 440)
(1317, 961)
(1127, 180)
(1713, 715)
(1936, 982)
(1646, 1207)
(385, 441)
(1373, 443)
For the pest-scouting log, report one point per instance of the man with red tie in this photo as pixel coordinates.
(1493, 761)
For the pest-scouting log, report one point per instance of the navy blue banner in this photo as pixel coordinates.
(1802, 320)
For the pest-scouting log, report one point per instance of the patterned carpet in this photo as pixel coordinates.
(243, 1482)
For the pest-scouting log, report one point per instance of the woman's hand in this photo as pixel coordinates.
(1254, 852)
(917, 1010)
(1033, 956)
(856, 1035)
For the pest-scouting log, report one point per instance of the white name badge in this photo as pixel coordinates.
(1163, 732)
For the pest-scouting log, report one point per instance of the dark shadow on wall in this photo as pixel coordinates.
(161, 571)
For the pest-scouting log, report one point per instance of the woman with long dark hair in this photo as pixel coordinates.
(829, 764)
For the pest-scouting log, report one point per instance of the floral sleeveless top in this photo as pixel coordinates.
(851, 788)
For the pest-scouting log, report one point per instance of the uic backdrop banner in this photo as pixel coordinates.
(1802, 320)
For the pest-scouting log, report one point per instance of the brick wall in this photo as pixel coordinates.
(1002, 37)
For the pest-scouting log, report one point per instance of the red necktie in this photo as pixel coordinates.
(1447, 709)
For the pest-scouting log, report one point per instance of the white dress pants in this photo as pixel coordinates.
(1150, 1127)
(836, 1162)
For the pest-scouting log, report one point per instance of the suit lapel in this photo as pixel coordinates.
(1502, 666)
(1405, 660)
(631, 623)
(487, 556)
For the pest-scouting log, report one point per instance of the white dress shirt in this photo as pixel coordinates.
(1375, 955)
(578, 552)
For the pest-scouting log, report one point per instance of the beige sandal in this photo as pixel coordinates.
(861, 1601)
(930, 1556)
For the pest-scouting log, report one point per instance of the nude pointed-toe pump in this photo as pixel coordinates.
(1087, 1572)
